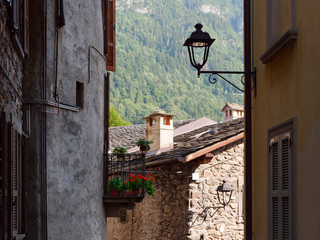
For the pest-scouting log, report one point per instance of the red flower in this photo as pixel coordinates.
(144, 179)
(148, 175)
(152, 179)
(126, 183)
(139, 176)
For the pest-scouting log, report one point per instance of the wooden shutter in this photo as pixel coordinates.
(280, 188)
(15, 10)
(14, 183)
(24, 186)
(26, 26)
(110, 35)
(4, 179)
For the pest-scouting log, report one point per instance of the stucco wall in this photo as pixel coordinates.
(176, 210)
(72, 141)
(288, 87)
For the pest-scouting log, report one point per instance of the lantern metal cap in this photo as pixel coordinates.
(224, 187)
(199, 38)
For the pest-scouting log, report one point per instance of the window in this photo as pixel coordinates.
(12, 176)
(280, 183)
(240, 201)
(227, 113)
(167, 121)
(280, 27)
(230, 113)
(19, 16)
(79, 94)
(110, 34)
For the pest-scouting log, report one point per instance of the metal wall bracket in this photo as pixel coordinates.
(212, 78)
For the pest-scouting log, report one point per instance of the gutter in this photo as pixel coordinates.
(248, 121)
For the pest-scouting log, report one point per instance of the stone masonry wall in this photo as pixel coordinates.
(176, 211)
(224, 224)
(10, 71)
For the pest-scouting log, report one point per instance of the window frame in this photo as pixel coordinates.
(19, 25)
(285, 130)
(275, 44)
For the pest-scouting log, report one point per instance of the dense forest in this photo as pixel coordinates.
(153, 68)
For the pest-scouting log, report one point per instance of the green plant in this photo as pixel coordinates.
(148, 185)
(140, 182)
(144, 144)
(124, 186)
(120, 150)
(115, 183)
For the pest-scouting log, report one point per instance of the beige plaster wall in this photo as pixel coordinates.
(288, 87)
(176, 211)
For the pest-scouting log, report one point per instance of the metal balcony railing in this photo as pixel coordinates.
(120, 168)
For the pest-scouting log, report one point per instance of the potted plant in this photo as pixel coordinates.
(136, 184)
(114, 186)
(144, 144)
(120, 150)
(125, 191)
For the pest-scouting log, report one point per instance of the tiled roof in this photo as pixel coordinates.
(234, 106)
(201, 138)
(126, 136)
(185, 143)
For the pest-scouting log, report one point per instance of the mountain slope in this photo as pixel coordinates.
(153, 69)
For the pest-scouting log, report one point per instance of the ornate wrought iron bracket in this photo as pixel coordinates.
(212, 78)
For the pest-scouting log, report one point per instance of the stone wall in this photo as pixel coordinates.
(65, 153)
(225, 224)
(10, 71)
(177, 210)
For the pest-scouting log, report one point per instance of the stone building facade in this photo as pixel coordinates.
(11, 70)
(53, 63)
(183, 208)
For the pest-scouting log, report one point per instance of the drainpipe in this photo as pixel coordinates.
(43, 181)
(248, 122)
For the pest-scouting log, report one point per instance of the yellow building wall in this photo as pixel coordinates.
(288, 87)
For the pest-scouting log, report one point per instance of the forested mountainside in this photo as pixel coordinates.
(153, 69)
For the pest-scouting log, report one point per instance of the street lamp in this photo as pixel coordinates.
(200, 40)
(224, 192)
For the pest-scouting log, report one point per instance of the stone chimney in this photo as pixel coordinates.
(159, 129)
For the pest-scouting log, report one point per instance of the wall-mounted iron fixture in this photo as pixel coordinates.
(200, 40)
(224, 192)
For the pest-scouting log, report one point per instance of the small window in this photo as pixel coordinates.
(79, 94)
(168, 121)
(227, 113)
(150, 122)
(230, 113)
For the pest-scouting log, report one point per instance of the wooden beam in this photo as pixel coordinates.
(214, 147)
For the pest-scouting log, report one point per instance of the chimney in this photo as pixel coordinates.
(159, 129)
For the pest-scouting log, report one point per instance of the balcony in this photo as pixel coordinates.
(120, 170)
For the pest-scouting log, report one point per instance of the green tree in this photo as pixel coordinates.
(115, 119)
